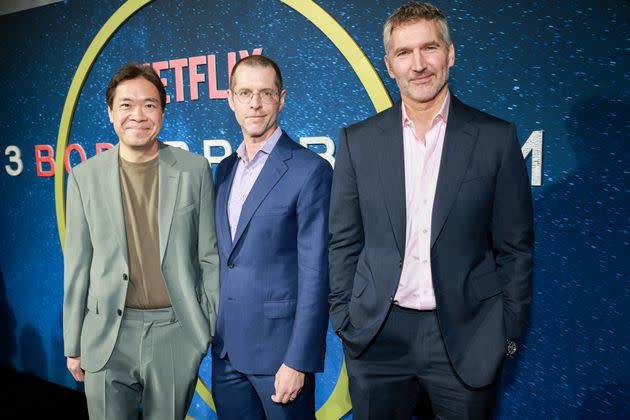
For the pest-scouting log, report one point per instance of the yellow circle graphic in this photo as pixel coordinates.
(338, 403)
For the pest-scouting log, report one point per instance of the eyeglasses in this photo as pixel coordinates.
(267, 96)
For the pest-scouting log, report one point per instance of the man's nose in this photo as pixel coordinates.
(418, 60)
(137, 113)
(256, 101)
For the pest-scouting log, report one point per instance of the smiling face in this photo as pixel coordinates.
(419, 60)
(137, 115)
(258, 119)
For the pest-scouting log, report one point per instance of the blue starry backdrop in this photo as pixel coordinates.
(563, 70)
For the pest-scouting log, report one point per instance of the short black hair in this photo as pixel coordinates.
(132, 71)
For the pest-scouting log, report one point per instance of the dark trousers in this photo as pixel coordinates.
(407, 359)
(241, 396)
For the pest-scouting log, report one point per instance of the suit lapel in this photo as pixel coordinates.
(223, 195)
(168, 185)
(391, 164)
(269, 176)
(459, 142)
(111, 185)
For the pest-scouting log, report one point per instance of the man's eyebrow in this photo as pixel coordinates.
(148, 98)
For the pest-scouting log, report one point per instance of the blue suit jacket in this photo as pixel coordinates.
(274, 276)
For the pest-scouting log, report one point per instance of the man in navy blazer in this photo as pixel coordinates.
(272, 229)
(431, 239)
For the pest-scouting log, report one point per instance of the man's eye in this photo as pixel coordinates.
(401, 53)
(267, 94)
(244, 94)
(124, 105)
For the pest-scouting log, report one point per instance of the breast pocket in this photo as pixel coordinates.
(478, 176)
(272, 211)
(279, 309)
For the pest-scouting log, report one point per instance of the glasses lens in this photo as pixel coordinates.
(266, 96)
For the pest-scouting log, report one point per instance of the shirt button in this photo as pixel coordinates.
(119, 311)
(125, 277)
(425, 261)
(424, 231)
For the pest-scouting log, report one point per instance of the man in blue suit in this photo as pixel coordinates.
(272, 221)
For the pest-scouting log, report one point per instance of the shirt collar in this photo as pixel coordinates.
(266, 148)
(441, 115)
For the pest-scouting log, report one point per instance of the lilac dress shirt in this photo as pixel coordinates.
(246, 175)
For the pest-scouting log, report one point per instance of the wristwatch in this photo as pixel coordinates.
(510, 348)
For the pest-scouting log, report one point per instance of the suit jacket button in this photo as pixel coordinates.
(400, 264)
(125, 277)
(119, 311)
(230, 265)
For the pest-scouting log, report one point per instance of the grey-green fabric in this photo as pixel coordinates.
(96, 260)
(152, 362)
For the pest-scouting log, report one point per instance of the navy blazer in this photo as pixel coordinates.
(274, 275)
(481, 236)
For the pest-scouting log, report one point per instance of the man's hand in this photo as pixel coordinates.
(74, 366)
(288, 384)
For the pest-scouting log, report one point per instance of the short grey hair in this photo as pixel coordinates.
(414, 12)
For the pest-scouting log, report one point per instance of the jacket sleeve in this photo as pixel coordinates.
(307, 346)
(513, 235)
(346, 235)
(207, 249)
(77, 262)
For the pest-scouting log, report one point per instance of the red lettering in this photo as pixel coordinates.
(231, 63)
(158, 66)
(178, 65)
(70, 149)
(101, 147)
(44, 154)
(194, 77)
(212, 80)
(244, 53)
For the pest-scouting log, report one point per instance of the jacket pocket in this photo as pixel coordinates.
(487, 285)
(279, 308)
(359, 286)
(92, 304)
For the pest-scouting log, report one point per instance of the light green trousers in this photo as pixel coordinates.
(153, 370)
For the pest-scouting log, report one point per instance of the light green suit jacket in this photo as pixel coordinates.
(96, 263)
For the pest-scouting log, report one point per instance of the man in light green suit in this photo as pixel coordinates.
(140, 264)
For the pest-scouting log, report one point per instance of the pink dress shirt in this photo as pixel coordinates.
(422, 166)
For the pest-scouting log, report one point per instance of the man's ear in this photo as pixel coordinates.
(230, 98)
(389, 70)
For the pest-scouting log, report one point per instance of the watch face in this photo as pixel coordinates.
(511, 347)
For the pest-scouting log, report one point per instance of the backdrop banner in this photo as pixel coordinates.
(560, 72)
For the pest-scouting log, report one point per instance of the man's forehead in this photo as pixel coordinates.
(416, 26)
(247, 74)
(137, 88)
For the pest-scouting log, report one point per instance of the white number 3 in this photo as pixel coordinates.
(15, 157)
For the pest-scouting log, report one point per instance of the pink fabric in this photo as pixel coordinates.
(422, 166)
